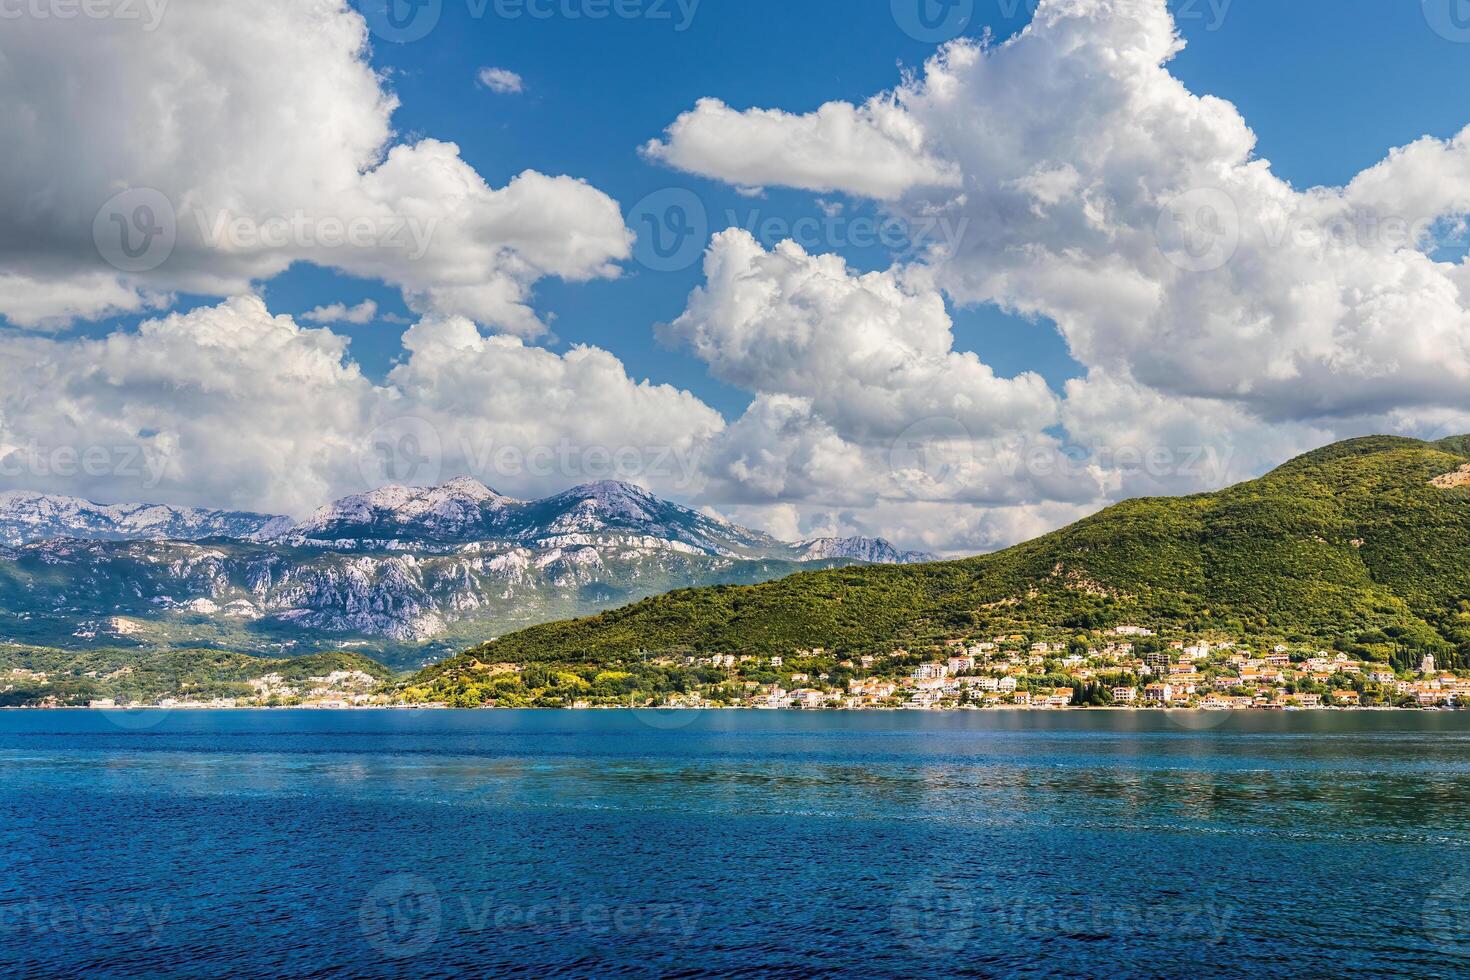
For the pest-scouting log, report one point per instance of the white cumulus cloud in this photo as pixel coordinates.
(502, 81)
(363, 312)
(1224, 318)
(230, 405)
(875, 150)
(873, 353)
(240, 137)
(1098, 191)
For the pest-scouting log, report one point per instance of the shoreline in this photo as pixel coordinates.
(917, 711)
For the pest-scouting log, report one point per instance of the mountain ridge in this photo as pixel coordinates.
(1351, 544)
(460, 511)
(408, 573)
(872, 551)
(27, 517)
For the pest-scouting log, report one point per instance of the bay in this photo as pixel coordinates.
(715, 843)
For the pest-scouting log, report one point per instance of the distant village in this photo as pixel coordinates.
(1126, 667)
(1011, 672)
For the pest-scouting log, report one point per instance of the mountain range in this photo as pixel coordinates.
(1361, 546)
(406, 574)
(28, 517)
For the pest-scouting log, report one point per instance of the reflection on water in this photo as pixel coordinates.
(888, 843)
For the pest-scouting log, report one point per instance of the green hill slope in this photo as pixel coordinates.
(34, 675)
(1363, 542)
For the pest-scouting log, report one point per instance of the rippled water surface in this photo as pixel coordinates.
(597, 843)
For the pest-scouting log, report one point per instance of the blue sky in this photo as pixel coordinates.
(1327, 87)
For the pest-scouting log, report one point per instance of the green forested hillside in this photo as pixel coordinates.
(1352, 544)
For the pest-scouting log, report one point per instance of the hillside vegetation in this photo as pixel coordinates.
(30, 675)
(1350, 546)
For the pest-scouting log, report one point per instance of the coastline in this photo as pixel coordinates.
(1017, 709)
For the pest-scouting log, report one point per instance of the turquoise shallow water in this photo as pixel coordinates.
(757, 843)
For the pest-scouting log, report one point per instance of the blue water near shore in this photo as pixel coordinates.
(715, 843)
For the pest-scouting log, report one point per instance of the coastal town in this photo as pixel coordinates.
(1003, 673)
(1009, 672)
(1125, 667)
